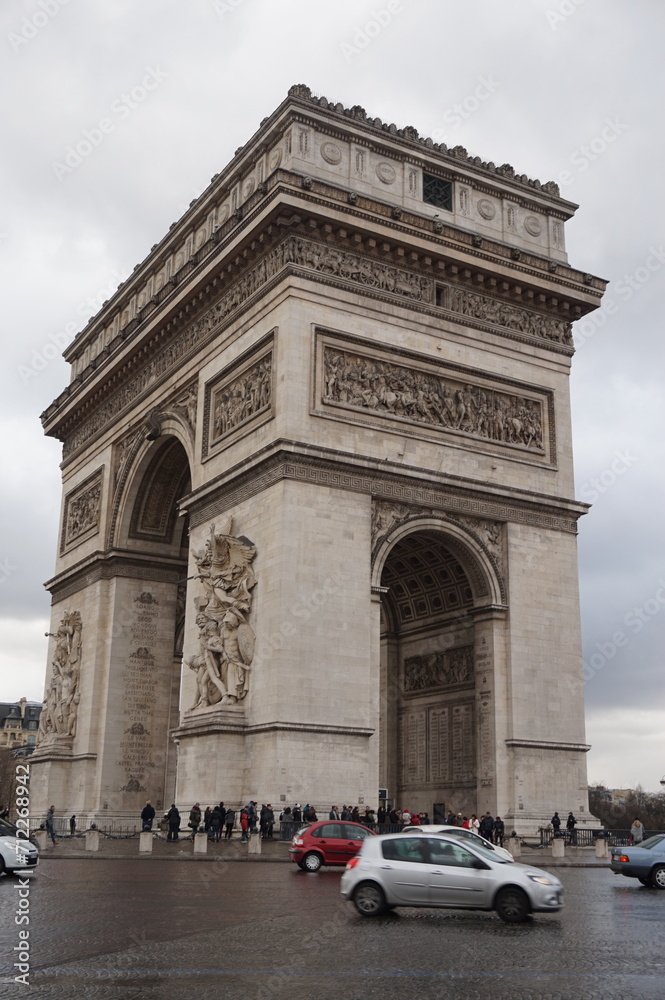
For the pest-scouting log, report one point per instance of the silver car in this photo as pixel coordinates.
(462, 833)
(437, 870)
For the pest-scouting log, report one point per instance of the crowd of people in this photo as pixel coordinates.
(218, 822)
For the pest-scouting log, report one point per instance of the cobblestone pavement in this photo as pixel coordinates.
(162, 930)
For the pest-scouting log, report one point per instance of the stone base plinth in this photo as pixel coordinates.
(558, 847)
(201, 843)
(145, 842)
(514, 846)
(254, 844)
(92, 840)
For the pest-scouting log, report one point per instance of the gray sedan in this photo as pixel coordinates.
(645, 861)
(439, 870)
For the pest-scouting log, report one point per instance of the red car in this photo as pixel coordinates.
(328, 842)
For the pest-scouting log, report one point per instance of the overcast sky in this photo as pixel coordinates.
(568, 90)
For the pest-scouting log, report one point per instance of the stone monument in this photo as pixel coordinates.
(318, 528)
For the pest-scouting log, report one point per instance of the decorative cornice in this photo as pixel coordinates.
(548, 745)
(366, 208)
(336, 470)
(219, 721)
(106, 565)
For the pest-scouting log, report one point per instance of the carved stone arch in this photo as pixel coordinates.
(133, 452)
(486, 581)
(145, 512)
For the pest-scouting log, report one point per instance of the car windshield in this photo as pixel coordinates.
(651, 842)
(489, 855)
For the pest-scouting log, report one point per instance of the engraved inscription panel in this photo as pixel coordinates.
(439, 764)
(463, 747)
(436, 745)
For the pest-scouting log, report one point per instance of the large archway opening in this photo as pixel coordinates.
(428, 717)
(152, 542)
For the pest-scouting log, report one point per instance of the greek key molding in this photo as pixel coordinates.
(396, 487)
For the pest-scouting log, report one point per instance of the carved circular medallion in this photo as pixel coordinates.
(533, 226)
(275, 159)
(486, 209)
(331, 153)
(250, 185)
(386, 173)
(223, 215)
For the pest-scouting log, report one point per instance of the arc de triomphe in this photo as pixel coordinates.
(318, 532)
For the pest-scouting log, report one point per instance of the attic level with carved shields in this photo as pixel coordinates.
(318, 529)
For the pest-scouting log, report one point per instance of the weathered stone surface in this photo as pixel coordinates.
(318, 524)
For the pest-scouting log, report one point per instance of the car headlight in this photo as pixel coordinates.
(542, 879)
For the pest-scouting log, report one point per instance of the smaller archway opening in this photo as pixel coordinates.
(428, 704)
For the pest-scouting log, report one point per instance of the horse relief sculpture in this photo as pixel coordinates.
(226, 639)
(420, 397)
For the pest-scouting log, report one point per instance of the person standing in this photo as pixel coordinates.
(229, 820)
(333, 814)
(147, 816)
(215, 824)
(195, 818)
(173, 817)
(50, 823)
(637, 831)
(244, 825)
(474, 823)
(556, 824)
(206, 819)
(499, 831)
(487, 826)
(270, 821)
(570, 827)
(312, 818)
(296, 813)
(72, 826)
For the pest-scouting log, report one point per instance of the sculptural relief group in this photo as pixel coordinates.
(226, 640)
(420, 397)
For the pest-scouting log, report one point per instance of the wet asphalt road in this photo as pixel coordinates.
(134, 929)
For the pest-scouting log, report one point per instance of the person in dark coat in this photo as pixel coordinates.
(499, 831)
(72, 826)
(173, 817)
(147, 816)
(229, 820)
(556, 824)
(195, 818)
(296, 814)
(571, 823)
(215, 824)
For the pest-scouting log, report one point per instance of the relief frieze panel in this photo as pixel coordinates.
(446, 403)
(82, 512)
(234, 400)
(439, 669)
(484, 307)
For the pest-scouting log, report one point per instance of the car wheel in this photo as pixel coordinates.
(512, 905)
(644, 881)
(658, 877)
(369, 899)
(312, 862)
